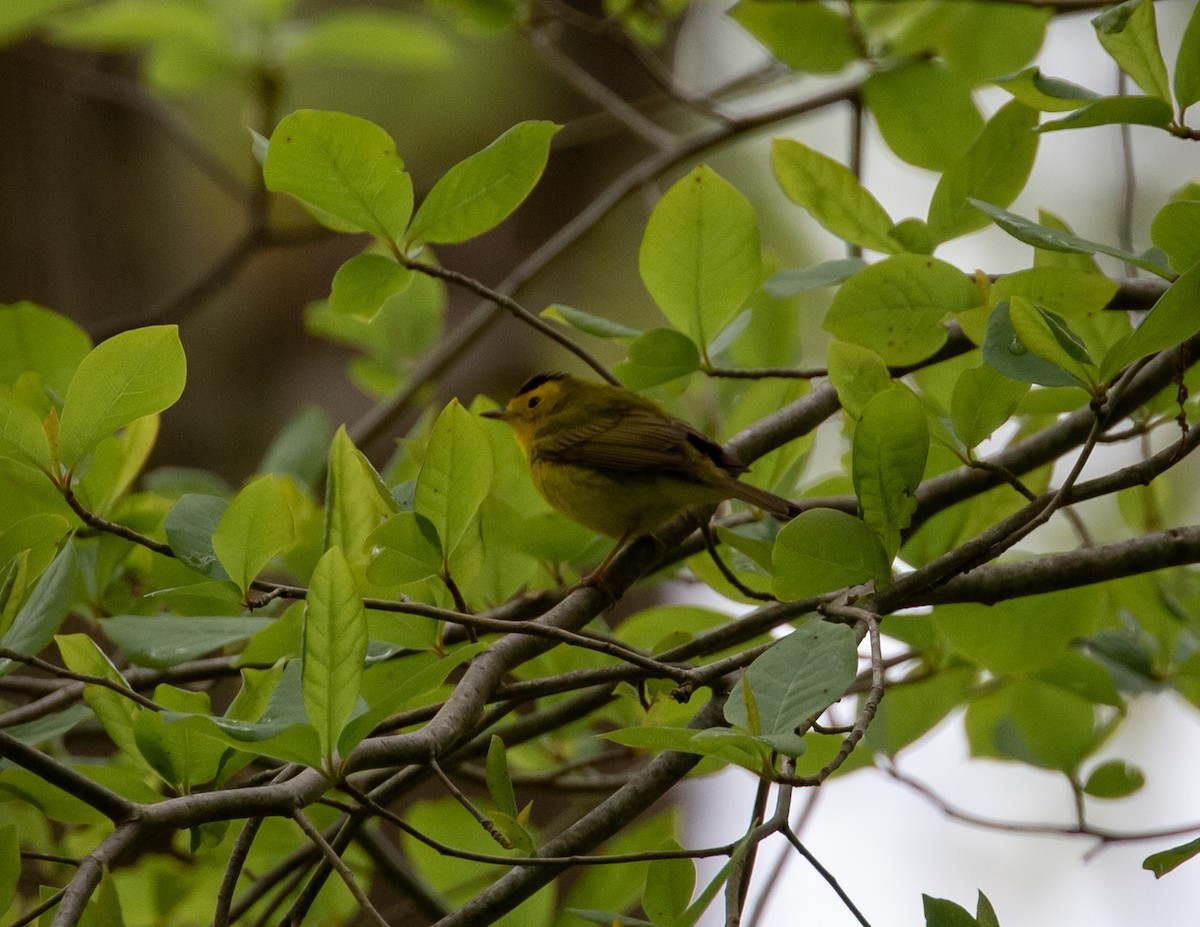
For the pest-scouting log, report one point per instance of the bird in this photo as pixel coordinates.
(617, 462)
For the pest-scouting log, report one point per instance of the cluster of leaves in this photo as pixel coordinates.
(379, 627)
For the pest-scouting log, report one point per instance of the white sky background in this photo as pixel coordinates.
(885, 844)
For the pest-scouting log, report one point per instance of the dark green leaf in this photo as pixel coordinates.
(45, 610)
(1042, 236)
(1003, 350)
(166, 641)
(796, 680)
(1114, 779)
(1163, 862)
(802, 279)
(190, 526)
(940, 912)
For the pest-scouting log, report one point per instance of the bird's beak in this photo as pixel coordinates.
(500, 414)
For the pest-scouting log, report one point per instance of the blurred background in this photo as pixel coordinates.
(124, 204)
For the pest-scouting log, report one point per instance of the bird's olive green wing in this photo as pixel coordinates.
(634, 438)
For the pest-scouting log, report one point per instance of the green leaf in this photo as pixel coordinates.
(699, 257)
(180, 758)
(1114, 779)
(364, 283)
(985, 914)
(19, 19)
(995, 169)
(588, 323)
(22, 435)
(499, 782)
(807, 37)
(915, 707)
(795, 280)
(890, 446)
(455, 475)
(477, 194)
(133, 374)
(896, 307)
(669, 887)
(162, 641)
(1129, 34)
(925, 113)
(983, 400)
(10, 865)
(979, 39)
(752, 753)
(832, 194)
(300, 449)
(1048, 336)
(822, 550)
(357, 500)
(44, 611)
(190, 526)
(37, 339)
(797, 679)
(1045, 94)
(1176, 231)
(368, 38)
(940, 912)
(1042, 236)
(344, 168)
(1187, 65)
(1004, 351)
(1107, 111)
(1014, 636)
(658, 356)
(405, 549)
(1164, 861)
(335, 645)
(116, 713)
(257, 525)
(1172, 320)
(1033, 722)
(857, 374)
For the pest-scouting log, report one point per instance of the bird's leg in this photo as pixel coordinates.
(597, 576)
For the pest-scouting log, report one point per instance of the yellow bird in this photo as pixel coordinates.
(617, 463)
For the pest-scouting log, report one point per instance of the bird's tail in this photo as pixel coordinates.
(773, 505)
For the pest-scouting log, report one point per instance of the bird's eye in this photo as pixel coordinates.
(534, 401)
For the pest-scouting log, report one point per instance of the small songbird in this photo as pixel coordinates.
(619, 464)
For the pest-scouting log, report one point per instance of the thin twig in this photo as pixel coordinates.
(457, 794)
(86, 678)
(339, 866)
